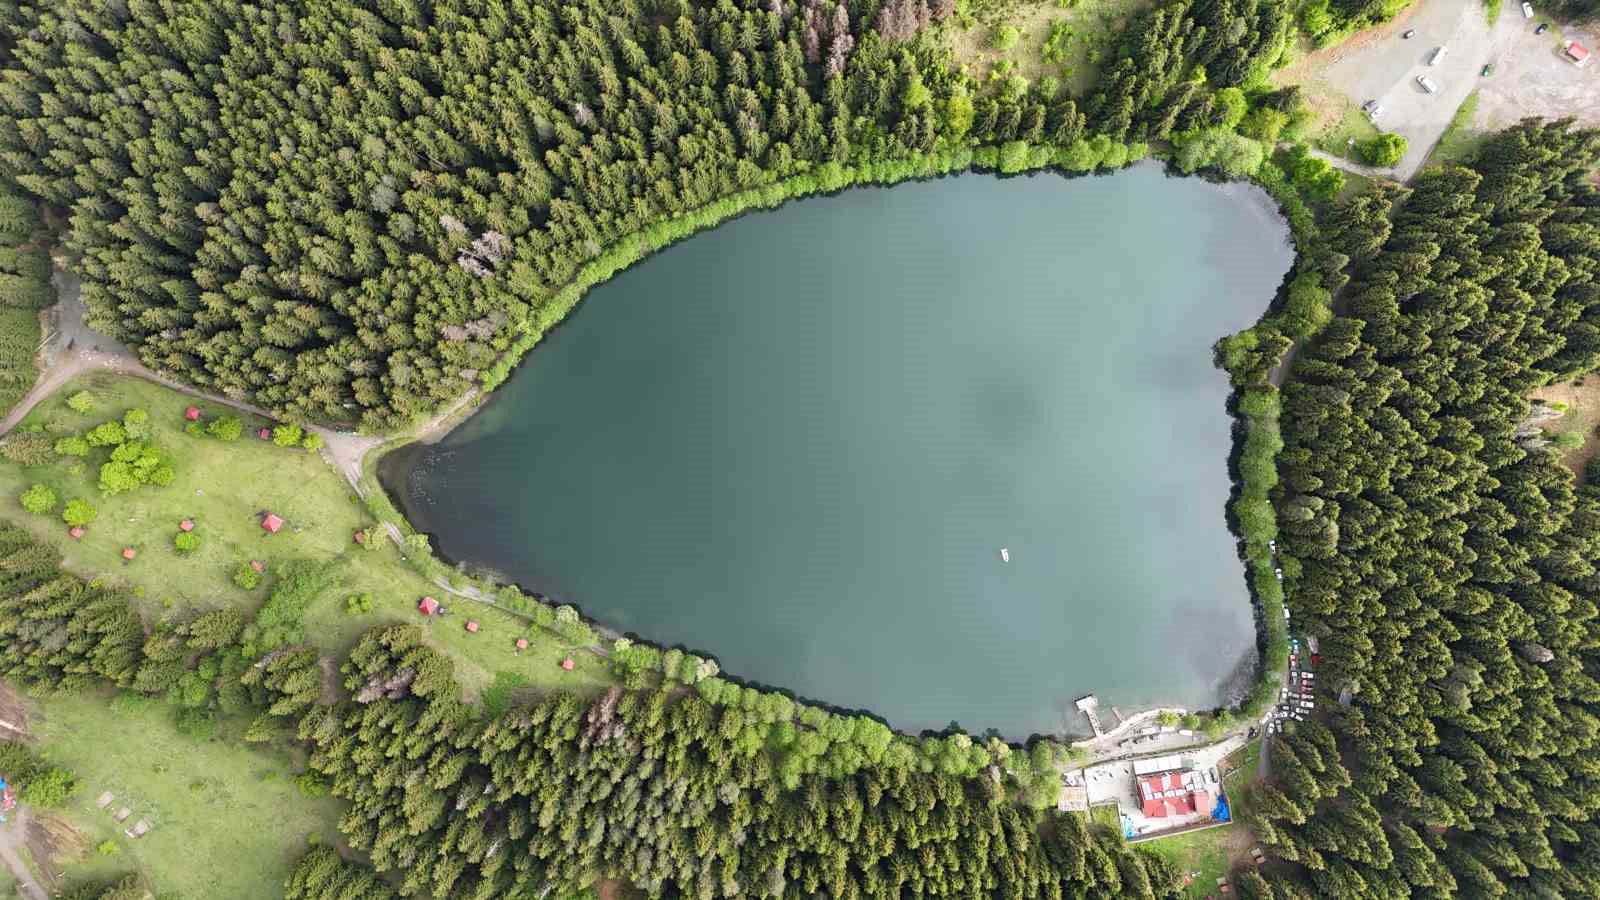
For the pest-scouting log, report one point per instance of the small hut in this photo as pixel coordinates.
(428, 606)
(522, 644)
(271, 523)
(472, 626)
(76, 532)
(568, 664)
(129, 553)
(186, 525)
(192, 414)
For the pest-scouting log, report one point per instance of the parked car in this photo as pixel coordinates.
(1373, 109)
(1543, 27)
(1408, 34)
(1438, 55)
(1527, 9)
(1488, 69)
(1428, 84)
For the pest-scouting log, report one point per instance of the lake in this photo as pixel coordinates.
(799, 442)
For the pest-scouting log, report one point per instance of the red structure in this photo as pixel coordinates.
(1578, 53)
(186, 525)
(1166, 794)
(265, 434)
(129, 553)
(271, 523)
(472, 626)
(428, 606)
(192, 414)
(522, 643)
(258, 565)
(568, 664)
(76, 532)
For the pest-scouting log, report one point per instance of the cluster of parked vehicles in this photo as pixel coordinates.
(1374, 109)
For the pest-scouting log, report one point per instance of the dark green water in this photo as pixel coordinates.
(799, 441)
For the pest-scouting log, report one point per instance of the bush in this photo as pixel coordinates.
(48, 789)
(27, 449)
(1383, 151)
(226, 428)
(107, 434)
(1004, 37)
(286, 435)
(357, 604)
(312, 441)
(1565, 441)
(186, 541)
(108, 848)
(136, 422)
(311, 784)
(78, 512)
(81, 402)
(73, 445)
(1218, 148)
(39, 499)
(247, 577)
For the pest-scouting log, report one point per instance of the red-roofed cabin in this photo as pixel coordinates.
(522, 643)
(472, 626)
(568, 664)
(129, 553)
(192, 414)
(265, 434)
(271, 523)
(186, 525)
(1578, 53)
(76, 532)
(428, 606)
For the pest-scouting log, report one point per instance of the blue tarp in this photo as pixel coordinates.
(1220, 811)
(1127, 827)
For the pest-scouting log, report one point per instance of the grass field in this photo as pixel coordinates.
(1348, 122)
(1106, 814)
(227, 819)
(1239, 770)
(1203, 854)
(1459, 143)
(224, 487)
(1085, 32)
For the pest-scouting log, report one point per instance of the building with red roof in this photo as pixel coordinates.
(76, 532)
(186, 525)
(428, 606)
(1174, 794)
(1578, 54)
(192, 414)
(522, 643)
(472, 626)
(271, 523)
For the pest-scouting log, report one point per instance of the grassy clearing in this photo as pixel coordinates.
(223, 488)
(227, 817)
(1083, 34)
(1202, 854)
(1238, 771)
(1582, 399)
(1106, 814)
(1460, 142)
(1349, 123)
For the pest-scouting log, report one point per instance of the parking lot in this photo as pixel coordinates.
(1530, 75)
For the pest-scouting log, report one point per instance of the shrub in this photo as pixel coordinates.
(186, 541)
(107, 434)
(136, 422)
(108, 848)
(357, 604)
(81, 402)
(286, 435)
(226, 428)
(197, 723)
(78, 512)
(48, 789)
(1383, 151)
(311, 784)
(39, 499)
(247, 577)
(1004, 37)
(73, 445)
(1566, 440)
(312, 441)
(27, 449)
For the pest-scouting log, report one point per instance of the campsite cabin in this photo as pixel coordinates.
(428, 606)
(1577, 54)
(472, 626)
(271, 523)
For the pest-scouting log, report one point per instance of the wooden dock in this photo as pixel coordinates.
(1090, 706)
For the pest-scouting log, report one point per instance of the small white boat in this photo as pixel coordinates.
(1005, 555)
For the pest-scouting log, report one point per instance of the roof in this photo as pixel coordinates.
(1173, 794)
(129, 553)
(76, 531)
(186, 525)
(472, 626)
(1577, 51)
(567, 664)
(265, 434)
(192, 413)
(522, 643)
(271, 523)
(428, 606)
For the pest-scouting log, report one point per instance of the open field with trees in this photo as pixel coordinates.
(228, 817)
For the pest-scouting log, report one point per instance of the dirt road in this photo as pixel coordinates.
(12, 836)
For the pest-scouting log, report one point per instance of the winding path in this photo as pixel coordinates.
(12, 836)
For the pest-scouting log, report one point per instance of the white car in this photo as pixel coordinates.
(1428, 84)
(1527, 10)
(1438, 55)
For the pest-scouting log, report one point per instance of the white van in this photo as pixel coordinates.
(1527, 9)
(1427, 84)
(1438, 55)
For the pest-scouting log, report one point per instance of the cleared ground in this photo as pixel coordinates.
(1086, 31)
(1582, 398)
(223, 488)
(227, 818)
(1534, 78)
